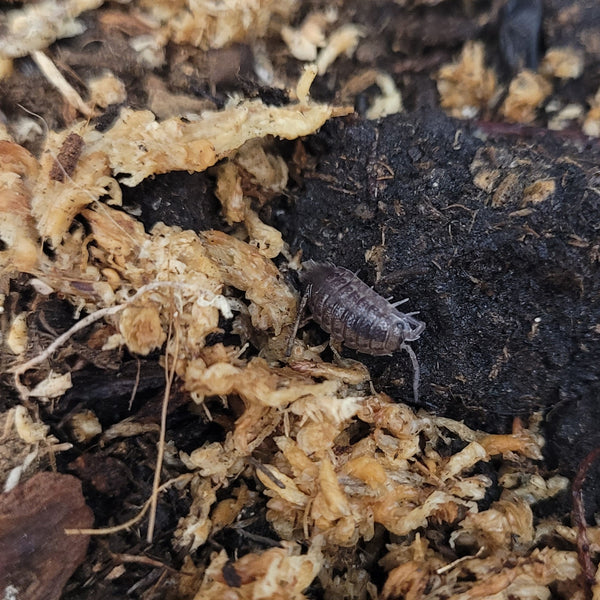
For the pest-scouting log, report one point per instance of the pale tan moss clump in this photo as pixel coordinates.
(526, 93)
(467, 85)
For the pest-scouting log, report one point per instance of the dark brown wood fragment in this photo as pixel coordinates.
(67, 158)
(36, 556)
(108, 475)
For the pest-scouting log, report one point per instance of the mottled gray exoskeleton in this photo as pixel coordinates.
(357, 316)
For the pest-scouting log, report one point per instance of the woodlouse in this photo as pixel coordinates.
(354, 314)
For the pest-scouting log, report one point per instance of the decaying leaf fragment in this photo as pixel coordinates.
(466, 458)
(532, 575)
(304, 42)
(508, 523)
(407, 580)
(141, 327)
(539, 191)
(193, 530)
(229, 192)
(390, 100)
(16, 340)
(30, 431)
(343, 40)
(106, 89)
(256, 382)
(216, 460)
(354, 374)
(140, 146)
(564, 63)
(53, 386)
(252, 166)
(56, 201)
(591, 125)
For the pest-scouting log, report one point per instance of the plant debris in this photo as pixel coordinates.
(36, 556)
(149, 257)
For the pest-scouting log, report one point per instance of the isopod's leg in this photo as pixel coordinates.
(398, 302)
(416, 370)
(336, 348)
(320, 348)
(301, 307)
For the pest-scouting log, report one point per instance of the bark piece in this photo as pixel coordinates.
(36, 556)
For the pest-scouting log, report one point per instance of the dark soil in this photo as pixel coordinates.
(511, 301)
(511, 297)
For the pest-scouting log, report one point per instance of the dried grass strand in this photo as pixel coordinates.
(187, 477)
(169, 378)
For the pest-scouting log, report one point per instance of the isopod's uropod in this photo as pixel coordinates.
(357, 316)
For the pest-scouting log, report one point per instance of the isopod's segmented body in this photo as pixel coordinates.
(354, 314)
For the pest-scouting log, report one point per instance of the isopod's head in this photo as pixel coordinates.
(408, 329)
(315, 273)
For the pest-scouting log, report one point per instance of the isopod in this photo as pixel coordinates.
(357, 316)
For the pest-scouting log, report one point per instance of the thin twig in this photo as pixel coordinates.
(91, 318)
(260, 539)
(457, 562)
(58, 342)
(143, 560)
(292, 338)
(583, 545)
(169, 377)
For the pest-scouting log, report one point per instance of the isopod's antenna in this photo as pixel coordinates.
(416, 369)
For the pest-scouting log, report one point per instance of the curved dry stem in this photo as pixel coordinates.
(108, 530)
(169, 377)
